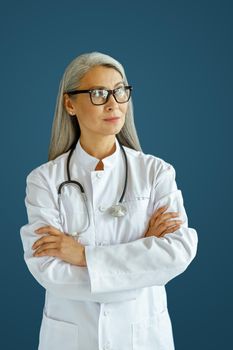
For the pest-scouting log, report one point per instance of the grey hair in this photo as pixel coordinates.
(65, 129)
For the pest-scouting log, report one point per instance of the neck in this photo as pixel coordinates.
(99, 147)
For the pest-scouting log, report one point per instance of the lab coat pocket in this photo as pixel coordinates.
(154, 332)
(59, 335)
(145, 334)
(138, 216)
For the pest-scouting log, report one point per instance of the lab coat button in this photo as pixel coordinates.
(106, 312)
(98, 175)
(102, 208)
(107, 346)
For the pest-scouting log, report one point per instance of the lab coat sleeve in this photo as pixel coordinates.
(59, 277)
(150, 260)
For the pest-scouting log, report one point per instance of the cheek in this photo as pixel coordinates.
(124, 108)
(92, 120)
(87, 114)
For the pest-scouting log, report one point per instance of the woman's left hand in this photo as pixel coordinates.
(59, 244)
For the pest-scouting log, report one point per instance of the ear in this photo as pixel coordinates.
(68, 105)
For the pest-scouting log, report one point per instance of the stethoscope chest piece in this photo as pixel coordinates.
(118, 210)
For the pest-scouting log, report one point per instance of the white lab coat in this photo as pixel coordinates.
(117, 302)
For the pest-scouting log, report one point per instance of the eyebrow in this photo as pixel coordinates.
(104, 87)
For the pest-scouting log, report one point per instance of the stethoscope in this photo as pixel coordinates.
(116, 210)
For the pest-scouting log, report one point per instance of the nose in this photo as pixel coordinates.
(111, 103)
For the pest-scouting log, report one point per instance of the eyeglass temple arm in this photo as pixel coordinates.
(74, 92)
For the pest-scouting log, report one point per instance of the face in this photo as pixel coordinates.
(92, 118)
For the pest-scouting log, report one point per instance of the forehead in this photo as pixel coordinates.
(101, 76)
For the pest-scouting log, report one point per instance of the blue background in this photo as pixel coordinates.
(178, 56)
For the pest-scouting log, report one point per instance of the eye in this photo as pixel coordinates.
(99, 93)
(120, 91)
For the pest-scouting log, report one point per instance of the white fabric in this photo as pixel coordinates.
(117, 302)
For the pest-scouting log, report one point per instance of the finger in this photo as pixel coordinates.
(45, 239)
(163, 225)
(170, 223)
(48, 229)
(45, 247)
(167, 216)
(167, 225)
(161, 209)
(157, 213)
(170, 230)
(48, 252)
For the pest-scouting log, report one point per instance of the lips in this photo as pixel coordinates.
(112, 118)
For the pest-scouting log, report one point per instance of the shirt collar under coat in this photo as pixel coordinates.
(89, 162)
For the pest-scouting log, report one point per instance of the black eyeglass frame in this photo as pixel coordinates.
(110, 92)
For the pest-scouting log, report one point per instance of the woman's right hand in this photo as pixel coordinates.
(160, 223)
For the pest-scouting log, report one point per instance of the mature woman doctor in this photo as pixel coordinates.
(107, 228)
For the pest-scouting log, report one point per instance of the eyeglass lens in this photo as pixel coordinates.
(99, 96)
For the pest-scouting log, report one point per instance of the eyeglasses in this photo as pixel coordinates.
(100, 96)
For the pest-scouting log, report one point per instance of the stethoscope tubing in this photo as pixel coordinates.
(69, 181)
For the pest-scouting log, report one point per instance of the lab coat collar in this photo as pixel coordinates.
(89, 162)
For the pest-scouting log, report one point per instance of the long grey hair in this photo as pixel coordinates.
(65, 129)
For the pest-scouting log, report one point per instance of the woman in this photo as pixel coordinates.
(103, 255)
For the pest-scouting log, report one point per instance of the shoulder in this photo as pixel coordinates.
(48, 169)
(150, 163)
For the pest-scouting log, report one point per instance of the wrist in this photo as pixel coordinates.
(83, 256)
